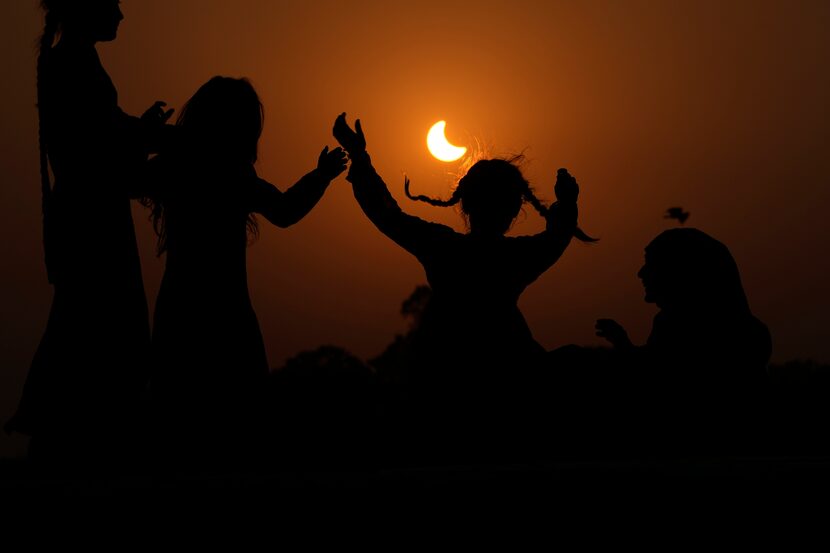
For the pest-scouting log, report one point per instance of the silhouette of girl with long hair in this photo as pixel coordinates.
(208, 350)
(90, 367)
(473, 340)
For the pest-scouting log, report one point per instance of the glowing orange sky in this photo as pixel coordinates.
(719, 107)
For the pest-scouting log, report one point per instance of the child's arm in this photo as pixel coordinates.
(288, 208)
(540, 251)
(411, 233)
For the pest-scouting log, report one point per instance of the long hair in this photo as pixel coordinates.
(223, 120)
(53, 17)
(501, 180)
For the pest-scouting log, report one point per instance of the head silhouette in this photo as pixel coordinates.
(220, 126)
(686, 269)
(84, 20)
(491, 195)
(225, 119)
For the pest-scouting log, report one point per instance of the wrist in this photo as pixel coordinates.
(358, 155)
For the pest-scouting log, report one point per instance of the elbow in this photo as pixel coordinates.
(279, 219)
(284, 221)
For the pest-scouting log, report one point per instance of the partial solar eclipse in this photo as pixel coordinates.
(440, 147)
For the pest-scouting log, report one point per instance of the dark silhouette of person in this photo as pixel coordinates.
(90, 369)
(704, 323)
(473, 345)
(209, 356)
(705, 360)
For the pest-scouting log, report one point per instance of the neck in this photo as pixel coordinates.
(76, 39)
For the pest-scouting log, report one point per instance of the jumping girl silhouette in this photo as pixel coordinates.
(90, 367)
(473, 342)
(210, 361)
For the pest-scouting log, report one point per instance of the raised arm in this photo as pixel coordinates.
(540, 251)
(411, 233)
(286, 208)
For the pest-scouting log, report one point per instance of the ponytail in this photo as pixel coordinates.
(543, 210)
(454, 199)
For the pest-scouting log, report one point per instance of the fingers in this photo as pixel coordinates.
(359, 128)
(333, 162)
(157, 114)
(341, 129)
(340, 122)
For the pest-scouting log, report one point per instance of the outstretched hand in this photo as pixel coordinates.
(331, 163)
(353, 142)
(566, 188)
(156, 115)
(613, 331)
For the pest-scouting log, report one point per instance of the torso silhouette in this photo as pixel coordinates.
(472, 332)
(709, 349)
(91, 363)
(207, 344)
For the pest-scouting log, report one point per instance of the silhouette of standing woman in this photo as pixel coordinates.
(208, 349)
(90, 367)
(473, 341)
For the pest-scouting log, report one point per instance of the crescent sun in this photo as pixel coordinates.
(440, 147)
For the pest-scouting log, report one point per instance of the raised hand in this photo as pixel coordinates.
(353, 142)
(612, 331)
(156, 114)
(566, 188)
(331, 163)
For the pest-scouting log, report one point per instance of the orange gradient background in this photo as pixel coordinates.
(719, 107)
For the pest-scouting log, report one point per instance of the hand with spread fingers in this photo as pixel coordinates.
(156, 114)
(353, 141)
(332, 163)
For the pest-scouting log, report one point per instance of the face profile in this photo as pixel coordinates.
(652, 280)
(687, 269)
(91, 20)
(111, 17)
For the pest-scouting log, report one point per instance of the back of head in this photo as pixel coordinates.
(491, 194)
(223, 121)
